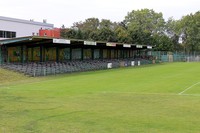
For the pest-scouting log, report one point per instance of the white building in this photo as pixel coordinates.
(12, 27)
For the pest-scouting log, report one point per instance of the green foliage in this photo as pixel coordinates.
(69, 33)
(106, 34)
(190, 29)
(106, 31)
(145, 27)
(122, 35)
(172, 29)
(145, 20)
(141, 99)
(163, 43)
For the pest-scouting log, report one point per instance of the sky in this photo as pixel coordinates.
(66, 12)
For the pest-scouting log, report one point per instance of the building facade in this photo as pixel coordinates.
(55, 33)
(12, 27)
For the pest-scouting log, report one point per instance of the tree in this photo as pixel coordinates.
(88, 28)
(172, 31)
(121, 33)
(162, 42)
(190, 29)
(143, 24)
(106, 31)
(141, 27)
(68, 33)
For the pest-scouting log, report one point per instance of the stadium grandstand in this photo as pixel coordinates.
(41, 56)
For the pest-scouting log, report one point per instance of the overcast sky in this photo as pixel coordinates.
(59, 12)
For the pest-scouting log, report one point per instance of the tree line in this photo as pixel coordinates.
(143, 26)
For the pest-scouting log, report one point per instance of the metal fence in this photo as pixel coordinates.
(193, 58)
(166, 56)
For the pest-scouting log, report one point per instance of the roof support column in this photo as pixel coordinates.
(22, 54)
(41, 53)
(82, 54)
(92, 53)
(57, 54)
(101, 53)
(70, 53)
(5, 54)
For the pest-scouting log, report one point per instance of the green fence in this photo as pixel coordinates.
(166, 56)
(178, 56)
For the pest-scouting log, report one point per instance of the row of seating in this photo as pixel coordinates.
(49, 68)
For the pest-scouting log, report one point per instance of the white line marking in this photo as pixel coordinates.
(189, 88)
(137, 93)
(141, 93)
(191, 95)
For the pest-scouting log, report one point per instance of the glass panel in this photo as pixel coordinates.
(76, 53)
(96, 54)
(1, 34)
(87, 53)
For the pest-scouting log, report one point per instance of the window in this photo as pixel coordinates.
(1, 33)
(13, 35)
(7, 34)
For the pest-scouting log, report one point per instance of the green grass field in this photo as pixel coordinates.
(162, 98)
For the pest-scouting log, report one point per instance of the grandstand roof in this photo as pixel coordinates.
(41, 40)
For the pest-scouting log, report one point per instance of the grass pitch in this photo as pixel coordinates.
(162, 98)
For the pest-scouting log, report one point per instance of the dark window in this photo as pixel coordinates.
(1, 33)
(7, 34)
(13, 34)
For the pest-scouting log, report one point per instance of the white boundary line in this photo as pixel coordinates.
(137, 93)
(190, 95)
(188, 88)
(141, 93)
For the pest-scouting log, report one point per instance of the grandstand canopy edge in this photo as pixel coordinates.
(41, 49)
